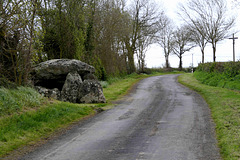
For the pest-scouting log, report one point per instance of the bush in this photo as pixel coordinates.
(145, 71)
(220, 74)
(230, 69)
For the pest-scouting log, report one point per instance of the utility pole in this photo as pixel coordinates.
(233, 38)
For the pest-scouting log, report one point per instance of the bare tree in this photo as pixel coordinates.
(149, 35)
(145, 16)
(141, 54)
(183, 42)
(235, 3)
(143, 44)
(165, 39)
(210, 19)
(200, 38)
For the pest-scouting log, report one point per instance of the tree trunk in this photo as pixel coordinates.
(131, 64)
(180, 62)
(130, 57)
(142, 64)
(214, 51)
(167, 61)
(202, 50)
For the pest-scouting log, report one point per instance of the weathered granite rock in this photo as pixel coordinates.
(50, 93)
(91, 92)
(89, 76)
(71, 87)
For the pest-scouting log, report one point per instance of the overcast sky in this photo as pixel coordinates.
(155, 56)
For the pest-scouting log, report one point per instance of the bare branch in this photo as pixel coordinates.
(208, 18)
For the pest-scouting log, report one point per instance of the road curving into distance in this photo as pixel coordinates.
(159, 120)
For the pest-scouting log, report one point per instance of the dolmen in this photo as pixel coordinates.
(68, 80)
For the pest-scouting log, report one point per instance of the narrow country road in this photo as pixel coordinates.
(159, 120)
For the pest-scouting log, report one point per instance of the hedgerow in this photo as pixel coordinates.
(220, 74)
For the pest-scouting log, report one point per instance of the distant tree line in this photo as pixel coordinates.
(205, 21)
(104, 33)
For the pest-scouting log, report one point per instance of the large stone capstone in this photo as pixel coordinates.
(52, 73)
(68, 80)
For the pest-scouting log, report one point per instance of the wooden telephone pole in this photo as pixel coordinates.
(233, 38)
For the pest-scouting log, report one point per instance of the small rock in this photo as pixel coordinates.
(50, 93)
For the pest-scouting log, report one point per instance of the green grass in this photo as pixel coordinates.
(218, 79)
(16, 100)
(21, 129)
(26, 117)
(119, 86)
(225, 109)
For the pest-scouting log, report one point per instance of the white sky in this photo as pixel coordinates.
(155, 56)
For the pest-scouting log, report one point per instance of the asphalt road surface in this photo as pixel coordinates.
(159, 120)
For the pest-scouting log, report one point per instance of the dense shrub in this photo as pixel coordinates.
(220, 74)
(230, 69)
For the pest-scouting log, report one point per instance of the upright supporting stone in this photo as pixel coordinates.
(91, 92)
(70, 88)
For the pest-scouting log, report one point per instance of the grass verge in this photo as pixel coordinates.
(17, 100)
(218, 80)
(225, 109)
(29, 127)
(120, 86)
